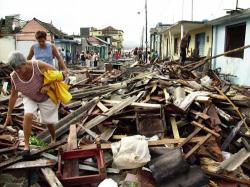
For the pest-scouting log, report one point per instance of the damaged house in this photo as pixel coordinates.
(230, 32)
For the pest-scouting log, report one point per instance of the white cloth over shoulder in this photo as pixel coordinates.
(131, 152)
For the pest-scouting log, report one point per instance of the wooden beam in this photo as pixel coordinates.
(150, 143)
(102, 107)
(197, 146)
(32, 164)
(166, 95)
(174, 128)
(190, 136)
(135, 104)
(227, 178)
(205, 128)
(51, 177)
(71, 166)
(16, 159)
(99, 119)
(235, 108)
(204, 61)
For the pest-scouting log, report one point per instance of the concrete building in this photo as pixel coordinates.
(156, 38)
(230, 32)
(110, 35)
(201, 38)
(9, 26)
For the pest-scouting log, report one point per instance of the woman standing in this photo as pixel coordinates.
(27, 78)
(46, 51)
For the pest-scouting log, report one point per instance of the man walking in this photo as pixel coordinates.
(183, 47)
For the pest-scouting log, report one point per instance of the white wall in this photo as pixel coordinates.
(24, 46)
(7, 45)
(233, 66)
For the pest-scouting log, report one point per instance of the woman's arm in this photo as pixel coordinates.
(31, 53)
(12, 102)
(59, 58)
(44, 66)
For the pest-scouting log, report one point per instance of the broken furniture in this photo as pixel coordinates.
(81, 154)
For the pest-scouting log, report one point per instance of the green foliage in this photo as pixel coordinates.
(34, 140)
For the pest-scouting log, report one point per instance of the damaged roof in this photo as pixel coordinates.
(234, 15)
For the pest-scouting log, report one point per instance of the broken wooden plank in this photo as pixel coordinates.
(227, 177)
(71, 166)
(32, 164)
(8, 138)
(190, 136)
(102, 107)
(164, 141)
(231, 136)
(16, 159)
(204, 61)
(236, 160)
(197, 146)
(135, 104)
(205, 128)
(51, 177)
(235, 108)
(174, 128)
(223, 114)
(200, 114)
(97, 120)
(166, 95)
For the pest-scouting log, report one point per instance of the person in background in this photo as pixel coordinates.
(110, 56)
(117, 56)
(82, 59)
(135, 54)
(28, 79)
(77, 57)
(63, 54)
(88, 57)
(140, 53)
(92, 59)
(96, 58)
(68, 57)
(45, 51)
(184, 47)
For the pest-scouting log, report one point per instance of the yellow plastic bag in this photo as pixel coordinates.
(58, 89)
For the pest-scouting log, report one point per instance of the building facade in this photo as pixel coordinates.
(9, 26)
(230, 32)
(201, 38)
(156, 38)
(109, 34)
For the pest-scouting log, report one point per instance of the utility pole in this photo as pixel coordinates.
(146, 28)
(142, 38)
(192, 10)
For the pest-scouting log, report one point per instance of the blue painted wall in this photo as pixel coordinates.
(234, 66)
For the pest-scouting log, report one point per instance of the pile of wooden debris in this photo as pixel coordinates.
(193, 123)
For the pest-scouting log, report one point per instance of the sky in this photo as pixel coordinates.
(126, 15)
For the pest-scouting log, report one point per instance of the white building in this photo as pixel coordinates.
(231, 32)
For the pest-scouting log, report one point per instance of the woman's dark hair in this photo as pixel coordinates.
(41, 34)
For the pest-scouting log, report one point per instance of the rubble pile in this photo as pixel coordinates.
(148, 125)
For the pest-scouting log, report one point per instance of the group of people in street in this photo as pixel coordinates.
(89, 59)
(114, 55)
(27, 78)
(140, 55)
(153, 56)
